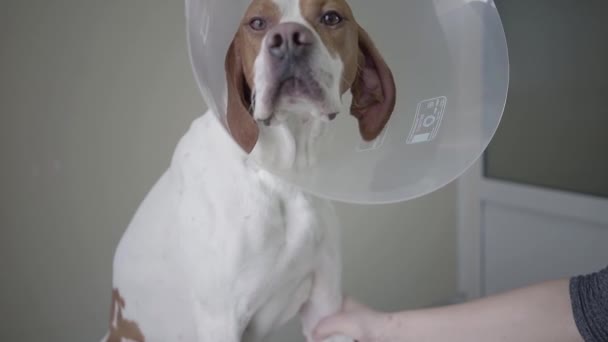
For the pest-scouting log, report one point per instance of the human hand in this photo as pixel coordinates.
(358, 322)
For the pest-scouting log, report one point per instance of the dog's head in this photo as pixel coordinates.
(296, 58)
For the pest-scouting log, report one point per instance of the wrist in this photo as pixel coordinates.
(400, 326)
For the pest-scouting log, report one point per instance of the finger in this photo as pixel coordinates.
(341, 324)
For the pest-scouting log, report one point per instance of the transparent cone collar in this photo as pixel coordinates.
(362, 103)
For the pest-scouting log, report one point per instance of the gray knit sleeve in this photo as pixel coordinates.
(589, 295)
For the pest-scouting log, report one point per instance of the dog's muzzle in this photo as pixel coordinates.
(289, 43)
(290, 48)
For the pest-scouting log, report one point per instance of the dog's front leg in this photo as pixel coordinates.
(326, 295)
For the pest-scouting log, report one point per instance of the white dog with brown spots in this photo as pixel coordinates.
(220, 250)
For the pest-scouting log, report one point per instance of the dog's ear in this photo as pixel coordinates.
(241, 124)
(374, 91)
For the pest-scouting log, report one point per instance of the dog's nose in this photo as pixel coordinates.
(289, 39)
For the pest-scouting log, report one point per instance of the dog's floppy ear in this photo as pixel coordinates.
(241, 124)
(374, 93)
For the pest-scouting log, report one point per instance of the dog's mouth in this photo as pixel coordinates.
(293, 86)
(300, 87)
(296, 91)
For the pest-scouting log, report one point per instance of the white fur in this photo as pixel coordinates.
(290, 142)
(221, 250)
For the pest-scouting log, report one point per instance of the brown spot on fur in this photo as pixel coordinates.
(121, 328)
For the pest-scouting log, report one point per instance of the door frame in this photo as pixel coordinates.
(473, 190)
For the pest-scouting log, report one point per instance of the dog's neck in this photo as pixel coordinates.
(295, 143)
(292, 144)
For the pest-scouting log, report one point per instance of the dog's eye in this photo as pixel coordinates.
(331, 18)
(258, 24)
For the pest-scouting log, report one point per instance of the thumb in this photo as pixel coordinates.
(341, 324)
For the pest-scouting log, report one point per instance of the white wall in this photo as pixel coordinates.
(93, 98)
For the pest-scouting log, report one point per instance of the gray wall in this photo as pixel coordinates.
(93, 98)
(553, 132)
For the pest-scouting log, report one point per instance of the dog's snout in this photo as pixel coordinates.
(289, 39)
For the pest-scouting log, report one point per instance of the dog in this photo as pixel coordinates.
(221, 250)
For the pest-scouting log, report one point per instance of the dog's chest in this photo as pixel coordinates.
(223, 192)
(217, 240)
(258, 232)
